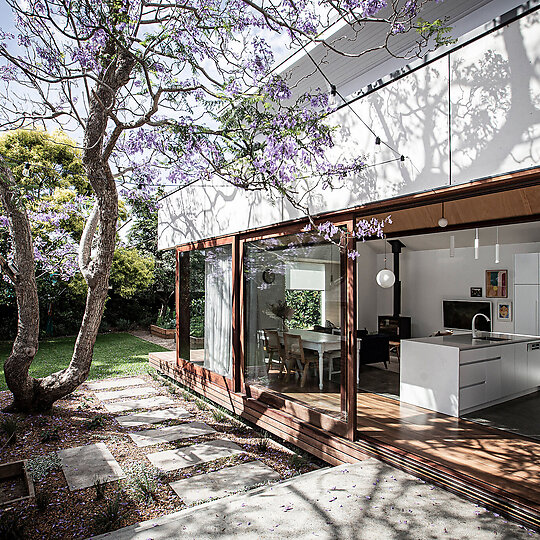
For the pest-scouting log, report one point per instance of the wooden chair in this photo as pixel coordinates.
(272, 345)
(296, 355)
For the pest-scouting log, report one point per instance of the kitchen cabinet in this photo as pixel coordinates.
(526, 306)
(455, 376)
(527, 269)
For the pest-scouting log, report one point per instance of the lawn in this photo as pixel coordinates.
(114, 355)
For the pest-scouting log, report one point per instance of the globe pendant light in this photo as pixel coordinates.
(385, 278)
(443, 222)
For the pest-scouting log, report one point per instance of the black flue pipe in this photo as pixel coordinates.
(396, 250)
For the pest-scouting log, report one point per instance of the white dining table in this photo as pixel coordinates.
(319, 342)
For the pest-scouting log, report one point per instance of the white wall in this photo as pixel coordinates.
(430, 276)
(488, 93)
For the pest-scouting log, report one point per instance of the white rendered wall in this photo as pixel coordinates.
(472, 114)
(428, 277)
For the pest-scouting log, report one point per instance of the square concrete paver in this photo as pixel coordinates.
(115, 383)
(224, 482)
(126, 393)
(82, 465)
(171, 460)
(134, 404)
(153, 417)
(148, 437)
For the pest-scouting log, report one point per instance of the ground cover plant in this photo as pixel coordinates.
(145, 493)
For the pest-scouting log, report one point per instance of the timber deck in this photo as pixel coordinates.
(497, 469)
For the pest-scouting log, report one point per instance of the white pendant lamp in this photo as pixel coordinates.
(443, 222)
(385, 278)
(476, 244)
(452, 246)
(497, 248)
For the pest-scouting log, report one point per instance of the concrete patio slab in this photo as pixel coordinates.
(149, 437)
(126, 393)
(115, 383)
(153, 417)
(82, 465)
(359, 501)
(134, 404)
(224, 482)
(180, 458)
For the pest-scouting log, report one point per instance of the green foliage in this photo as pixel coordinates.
(97, 422)
(130, 272)
(115, 355)
(201, 405)
(10, 426)
(262, 444)
(219, 416)
(54, 161)
(99, 486)
(142, 480)
(298, 461)
(49, 435)
(107, 518)
(437, 29)
(307, 307)
(167, 319)
(39, 467)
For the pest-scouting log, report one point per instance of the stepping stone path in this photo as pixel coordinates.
(153, 417)
(126, 393)
(115, 383)
(149, 437)
(221, 483)
(133, 404)
(82, 465)
(172, 460)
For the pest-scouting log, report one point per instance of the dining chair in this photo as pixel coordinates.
(295, 354)
(272, 345)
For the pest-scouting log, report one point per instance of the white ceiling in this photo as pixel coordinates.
(521, 233)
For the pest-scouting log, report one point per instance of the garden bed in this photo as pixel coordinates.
(80, 419)
(165, 333)
(15, 483)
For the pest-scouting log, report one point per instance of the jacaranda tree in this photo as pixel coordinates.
(162, 91)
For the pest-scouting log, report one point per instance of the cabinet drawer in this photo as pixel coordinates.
(472, 396)
(472, 374)
(481, 354)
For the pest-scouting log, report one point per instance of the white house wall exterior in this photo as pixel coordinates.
(468, 115)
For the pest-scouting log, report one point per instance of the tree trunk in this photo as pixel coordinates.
(23, 277)
(96, 255)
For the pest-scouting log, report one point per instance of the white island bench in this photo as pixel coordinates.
(458, 374)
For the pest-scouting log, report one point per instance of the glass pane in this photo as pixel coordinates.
(210, 309)
(293, 316)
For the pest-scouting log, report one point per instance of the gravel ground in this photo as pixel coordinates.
(59, 513)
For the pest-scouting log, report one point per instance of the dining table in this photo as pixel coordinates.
(320, 342)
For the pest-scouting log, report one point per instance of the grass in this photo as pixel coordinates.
(115, 355)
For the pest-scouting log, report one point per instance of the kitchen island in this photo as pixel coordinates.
(458, 374)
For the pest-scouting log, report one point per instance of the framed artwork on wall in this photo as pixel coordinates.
(504, 311)
(476, 292)
(497, 283)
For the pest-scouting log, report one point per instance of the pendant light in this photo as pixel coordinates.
(377, 149)
(385, 278)
(443, 222)
(497, 248)
(452, 246)
(476, 244)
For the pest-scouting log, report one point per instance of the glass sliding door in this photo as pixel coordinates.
(293, 318)
(209, 310)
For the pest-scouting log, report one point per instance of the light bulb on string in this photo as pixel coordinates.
(377, 149)
(402, 161)
(443, 222)
(26, 170)
(385, 278)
